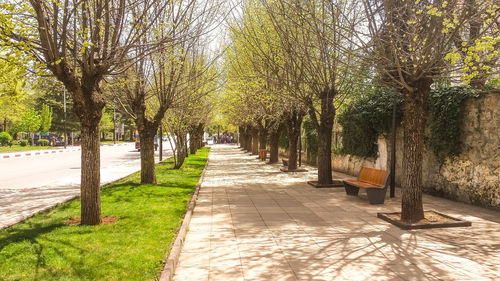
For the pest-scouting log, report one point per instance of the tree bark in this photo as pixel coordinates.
(255, 142)
(181, 151)
(262, 138)
(414, 120)
(90, 187)
(324, 129)
(148, 173)
(241, 138)
(193, 141)
(248, 141)
(274, 145)
(325, 155)
(294, 121)
(200, 130)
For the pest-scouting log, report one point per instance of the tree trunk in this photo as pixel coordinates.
(201, 132)
(414, 120)
(293, 127)
(148, 173)
(325, 154)
(292, 151)
(324, 129)
(274, 145)
(262, 138)
(248, 141)
(255, 142)
(90, 187)
(193, 141)
(181, 153)
(241, 138)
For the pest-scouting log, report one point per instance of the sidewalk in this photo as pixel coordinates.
(252, 222)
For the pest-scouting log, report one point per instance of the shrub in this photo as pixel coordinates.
(23, 143)
(43, 142)
(5, 138)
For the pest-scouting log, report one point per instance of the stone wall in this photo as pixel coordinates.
(472, 177)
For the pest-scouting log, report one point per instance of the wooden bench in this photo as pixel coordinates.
(373, 181)
(285, 161)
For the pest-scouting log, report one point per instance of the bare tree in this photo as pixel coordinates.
(321, 60)
(410, 43)
(81, 42)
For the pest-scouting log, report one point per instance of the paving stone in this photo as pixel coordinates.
(255, 223)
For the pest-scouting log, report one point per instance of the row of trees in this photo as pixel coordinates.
(143, 55)
(288, 59)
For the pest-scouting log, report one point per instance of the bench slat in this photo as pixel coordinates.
(373, 176)
(363, 184)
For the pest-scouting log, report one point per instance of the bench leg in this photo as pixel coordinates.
(351, 190)
(376, 196)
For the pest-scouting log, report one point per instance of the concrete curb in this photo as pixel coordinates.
(36, 152)
(18, 154)
(173, 257)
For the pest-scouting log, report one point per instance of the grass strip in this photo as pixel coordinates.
(132, 248)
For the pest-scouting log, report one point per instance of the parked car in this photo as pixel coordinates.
(59, 141)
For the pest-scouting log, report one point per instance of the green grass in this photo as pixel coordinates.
(44, 248)
(16, 148)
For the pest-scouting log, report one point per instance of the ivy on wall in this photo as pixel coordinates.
(365, 119)
(371, 115)
(445, 120)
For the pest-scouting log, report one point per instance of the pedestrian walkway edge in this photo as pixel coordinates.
(173, 257)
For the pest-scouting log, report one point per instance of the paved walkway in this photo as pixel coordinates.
(252, 222)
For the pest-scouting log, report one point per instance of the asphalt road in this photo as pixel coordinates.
(32, 184)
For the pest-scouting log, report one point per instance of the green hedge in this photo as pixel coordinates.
(43, 142)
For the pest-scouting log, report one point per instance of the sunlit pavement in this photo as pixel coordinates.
(252, 222)
(29, 185)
